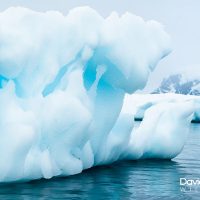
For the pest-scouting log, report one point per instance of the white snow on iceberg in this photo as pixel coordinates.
(62, 85)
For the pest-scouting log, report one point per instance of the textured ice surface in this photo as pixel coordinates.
(62, 85)
(165, 125)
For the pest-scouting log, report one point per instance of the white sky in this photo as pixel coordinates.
(180, 17)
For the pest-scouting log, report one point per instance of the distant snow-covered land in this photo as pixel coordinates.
(184, 82)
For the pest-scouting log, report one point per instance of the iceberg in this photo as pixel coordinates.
(140, 103)
(63, 80)
(165, 125)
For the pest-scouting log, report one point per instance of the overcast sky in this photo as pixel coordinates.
(181, 19)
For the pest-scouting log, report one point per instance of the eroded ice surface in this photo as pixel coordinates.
(62, 85)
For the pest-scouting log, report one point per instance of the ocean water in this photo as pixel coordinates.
(150, 179)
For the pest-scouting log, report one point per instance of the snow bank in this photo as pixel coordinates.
(62, 85)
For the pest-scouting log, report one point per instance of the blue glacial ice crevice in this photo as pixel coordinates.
(62, 85)
(50, 87)
(3, 81)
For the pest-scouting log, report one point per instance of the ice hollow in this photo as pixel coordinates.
(62, 85)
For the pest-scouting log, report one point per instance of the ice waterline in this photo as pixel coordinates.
(62, 84)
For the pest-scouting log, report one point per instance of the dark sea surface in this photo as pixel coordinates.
(158, 179)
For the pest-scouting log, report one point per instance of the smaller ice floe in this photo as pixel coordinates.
(140, 103)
